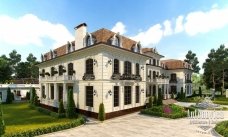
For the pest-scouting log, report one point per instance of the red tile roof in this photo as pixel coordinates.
(176, 64)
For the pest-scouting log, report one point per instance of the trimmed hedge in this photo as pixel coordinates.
(35, 132)
(222, 128)
(221, 102)
(176, 111)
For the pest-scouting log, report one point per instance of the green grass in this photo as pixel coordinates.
(222, 128)
(222, 100)
(19, 117)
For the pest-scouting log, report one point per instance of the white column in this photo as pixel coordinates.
(157, 86)
(64, 92)
(41, 91)
(46, 90)
(55, 91)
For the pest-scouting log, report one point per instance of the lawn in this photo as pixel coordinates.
(19, 117)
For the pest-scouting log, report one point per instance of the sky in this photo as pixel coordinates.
(171, 26)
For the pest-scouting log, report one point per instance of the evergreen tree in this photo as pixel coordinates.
(9, 98)
(200, 92)
(27, 95)
(70, 111)
(159, 101)
(155, 100)
(150, 104)
(33, 94)
(192, 59)
(101, 114)
(61, 107)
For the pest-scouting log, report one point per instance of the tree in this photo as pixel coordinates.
(200, 92)
(2, 123)
(33, 95)
(159, 101)
(9, 98)
(192, 59)
(33, 69)
(101, 114)
(14, 59)
(61, 107)
(23, 70)
(5, 70)
(70, 111)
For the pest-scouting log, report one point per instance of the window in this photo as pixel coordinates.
(116, 41)
(52, 71)
(116, 66)
(52, 91)
(137, 68)
(150, 61)
(150, 74)
(60, 93)
(158, 63)
(154, 62)
(116, 96)
(89, 96)
(127, 67)
(70, 69)
(89, 40)
(89, 66)
(173, 89)
(173, 76)
(154, 74)
(127, 95)
(154, 90)
(137, 94)
(43, 92)
(60, 70)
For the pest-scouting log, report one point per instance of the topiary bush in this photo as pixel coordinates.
(33, 94)
(61, 107)
(27, 95)
(9, 98)
(70, 111)
(101, 114)
(200, 92)
(150, 103)
(159, 101)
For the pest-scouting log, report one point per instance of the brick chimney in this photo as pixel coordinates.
(80, 33)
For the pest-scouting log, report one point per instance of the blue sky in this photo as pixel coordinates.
(172, 26)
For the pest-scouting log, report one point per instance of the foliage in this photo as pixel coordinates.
(215, 69)
(101, 114)
(171, 111)
(49, 112)
(61, 107)
(70, 111)
(22, 70)
(150, 103)
(222, 128)
(200, 92)
(159, 101)
(2, 123)
(9, 98)
(192, 59)
(27, 95)
(34, 97)
(5, 70)
(155, 100)
(20, 118)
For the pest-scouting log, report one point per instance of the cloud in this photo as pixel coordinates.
(168, 30)
(119, 27)
(151, 36)
(203, 22)
(179, 24)
(30, 30)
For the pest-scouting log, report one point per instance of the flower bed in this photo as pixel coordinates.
(169, 111)
(222, 128)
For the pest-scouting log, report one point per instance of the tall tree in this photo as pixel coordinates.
(34, 70)
(15, 58)
(23, 70)
(192, 59)
(5, 70)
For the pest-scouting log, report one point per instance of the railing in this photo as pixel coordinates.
(126, 77)
(58, 78)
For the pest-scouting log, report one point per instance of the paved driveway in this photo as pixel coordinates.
(135, 125)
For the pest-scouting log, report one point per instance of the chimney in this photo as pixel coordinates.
(80, 33)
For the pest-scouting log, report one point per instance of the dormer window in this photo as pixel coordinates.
(42, 57)
(45, 57)
(54, 54)
(116, 40)
(137, 47)
(51, 54)
(89, 40)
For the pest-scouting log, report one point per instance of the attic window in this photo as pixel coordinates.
(116, 41)
(138, 47)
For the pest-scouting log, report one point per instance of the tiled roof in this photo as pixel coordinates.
(25, 81)
(176, 64)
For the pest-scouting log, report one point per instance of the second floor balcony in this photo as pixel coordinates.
(58, 78)
(126, 77)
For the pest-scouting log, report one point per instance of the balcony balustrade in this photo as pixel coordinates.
(58, 78)
(88, 77)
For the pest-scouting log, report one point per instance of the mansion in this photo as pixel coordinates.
(107, 67)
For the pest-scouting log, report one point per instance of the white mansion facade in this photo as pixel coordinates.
(104, 66)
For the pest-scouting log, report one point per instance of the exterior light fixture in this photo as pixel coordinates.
(94, 62)
(142, 90)
(94, 92)
(142, 67)
(110, 92)
(110, 62)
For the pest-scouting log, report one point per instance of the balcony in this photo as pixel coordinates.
(88, 77)
(126, 77)
(173, 81)
(58, 78)
(188, 81)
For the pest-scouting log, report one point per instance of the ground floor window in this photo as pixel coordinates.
(52, 91)
(70, 88)
(1, 96)
(137, 94)
(43, 92)
(127, 95)
(116, 96)
(173, 89)
(60, 93)
(89, 96)
(154, 90)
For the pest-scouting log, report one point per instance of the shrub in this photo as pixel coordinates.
(35, 100)
(61, 107)
(200, 92)
(159, 101)
(27, 95)
(70, 111)
(2, 123)
(222, 128)
(45, 130)
(150, 104)
(33, 93)
(178, 95)
(9, 98)
(101, 114)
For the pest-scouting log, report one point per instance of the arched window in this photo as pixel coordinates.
(60, 70)
(137, 69)
(70, 69)
(173, 76)
(116, 66)
(52, 71)
(154, 74)
(89, 66)
(127, 67)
